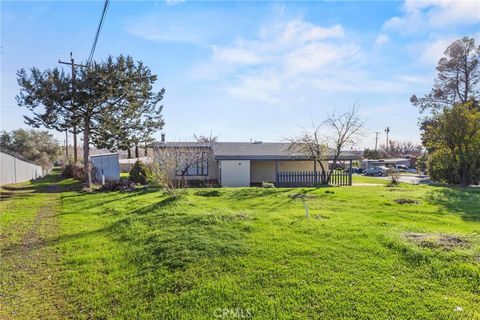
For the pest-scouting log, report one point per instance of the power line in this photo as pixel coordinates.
(100, 24)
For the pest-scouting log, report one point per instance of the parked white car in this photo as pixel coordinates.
(402, 168)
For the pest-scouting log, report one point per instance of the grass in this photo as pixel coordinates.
(251, 250)
(361, 179)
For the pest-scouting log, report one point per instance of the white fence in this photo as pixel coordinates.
(15, 170)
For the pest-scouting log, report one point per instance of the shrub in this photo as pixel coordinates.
(138, 173)
(268, 185)
(73, 171)
(123, 186)
(394, 177)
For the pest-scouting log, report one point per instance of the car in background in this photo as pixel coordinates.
(376, 171)
(354, 170)
(402, 168)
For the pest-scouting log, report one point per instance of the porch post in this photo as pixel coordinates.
(314, 171)
(350, 174)
(276, 173)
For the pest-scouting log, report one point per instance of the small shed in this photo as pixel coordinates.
(107, 165)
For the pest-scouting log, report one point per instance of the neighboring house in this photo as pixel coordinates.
(389, 163)
(238, 164)
(127, 164)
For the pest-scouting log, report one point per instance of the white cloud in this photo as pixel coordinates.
(430, 52)
(293, 58)
(434, 14)
(283, 54)
(381, 39)
(235, 55)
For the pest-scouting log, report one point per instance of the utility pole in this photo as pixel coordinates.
(376, 142)
(387, 131)
(73, 65)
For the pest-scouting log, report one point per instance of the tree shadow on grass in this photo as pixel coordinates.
(465, 201)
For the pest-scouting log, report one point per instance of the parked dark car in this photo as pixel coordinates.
(354, 170)
(376, 171)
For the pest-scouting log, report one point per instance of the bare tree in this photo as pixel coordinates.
(312, 145)
(326, 141)
(402, 148)
(346, 128)
(173, 162)
(210, 138)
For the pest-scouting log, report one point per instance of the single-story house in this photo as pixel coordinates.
(127, 164)
(389, 163)
(237, 164)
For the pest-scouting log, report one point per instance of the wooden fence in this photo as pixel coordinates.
(310, 178)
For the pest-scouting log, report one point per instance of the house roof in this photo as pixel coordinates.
(103, 155)
(249, 150)
(261, 151)
(182, 144)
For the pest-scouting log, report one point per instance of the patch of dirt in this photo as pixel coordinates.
(240, 216)
(30, 288)
(437, 240)
(301, 196)
(406, 201)
(210, 193)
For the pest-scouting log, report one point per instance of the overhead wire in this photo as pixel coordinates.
(99, 29)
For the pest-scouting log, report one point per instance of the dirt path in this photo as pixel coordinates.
(29, 259)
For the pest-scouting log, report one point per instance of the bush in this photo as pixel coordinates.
(394, 177)
(73, 171)
(123, 186)
(268, 185)
(138, 173)
(441, 167)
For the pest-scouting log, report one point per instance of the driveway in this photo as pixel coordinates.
(411, 178)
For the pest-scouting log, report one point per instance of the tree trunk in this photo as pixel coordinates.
(136, 151)
(129, 153)
(323, 177)
(75, 155)
(86, 154)
(146, 151)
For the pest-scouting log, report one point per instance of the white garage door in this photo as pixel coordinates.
(235, 173)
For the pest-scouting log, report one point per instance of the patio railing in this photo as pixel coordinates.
(311, 178)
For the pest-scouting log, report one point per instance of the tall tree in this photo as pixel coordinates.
(457, 79)
(450, 129)
(51, 89)
(108, 94)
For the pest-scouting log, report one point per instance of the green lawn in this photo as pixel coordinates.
(145, 255)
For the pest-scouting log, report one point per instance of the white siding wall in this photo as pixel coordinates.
(14, 170)
(235, 173)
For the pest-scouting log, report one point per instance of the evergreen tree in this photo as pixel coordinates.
(111, 97)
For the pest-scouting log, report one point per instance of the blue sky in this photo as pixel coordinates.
(250, 70)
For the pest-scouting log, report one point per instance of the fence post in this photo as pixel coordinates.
(350, 174)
